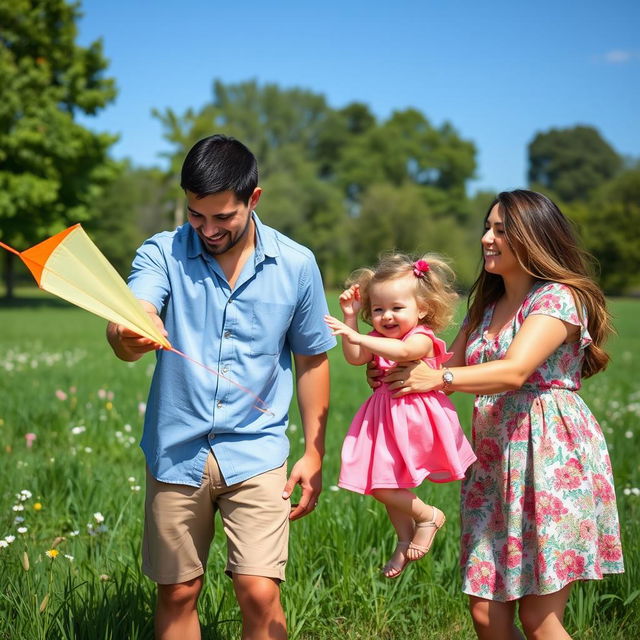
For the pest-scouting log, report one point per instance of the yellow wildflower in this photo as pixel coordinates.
(52, 553)
(37, 506)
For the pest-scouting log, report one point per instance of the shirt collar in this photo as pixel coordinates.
(266, 243)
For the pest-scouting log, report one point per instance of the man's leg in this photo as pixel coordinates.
(256, 522)
(178, 529)
(262, 613)
(176, 611)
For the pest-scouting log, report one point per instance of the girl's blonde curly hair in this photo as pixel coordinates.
(434, 290)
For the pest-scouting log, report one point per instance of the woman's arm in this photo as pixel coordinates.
(537, 339)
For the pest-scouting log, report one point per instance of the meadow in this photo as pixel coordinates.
(72, 491)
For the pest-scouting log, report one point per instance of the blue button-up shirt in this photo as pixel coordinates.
(247, 334)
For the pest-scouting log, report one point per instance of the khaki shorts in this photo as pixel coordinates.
(179, 525)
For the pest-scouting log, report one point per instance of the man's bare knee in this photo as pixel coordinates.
(180, 596)
(257, 596)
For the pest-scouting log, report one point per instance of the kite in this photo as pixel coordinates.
(70, 266)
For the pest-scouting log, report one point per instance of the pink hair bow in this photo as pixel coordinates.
(420, 268)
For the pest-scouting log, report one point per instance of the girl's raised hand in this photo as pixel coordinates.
(350, 300)
(341, 329)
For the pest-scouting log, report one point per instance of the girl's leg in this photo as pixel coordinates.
(541, 616)
(494, 620)
(403, 524)
(427, 519)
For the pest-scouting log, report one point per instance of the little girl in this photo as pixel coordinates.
(395, 443)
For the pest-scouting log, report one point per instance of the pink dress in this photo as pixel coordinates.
(398, 442)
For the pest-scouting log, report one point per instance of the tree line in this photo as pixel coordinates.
(340, 180)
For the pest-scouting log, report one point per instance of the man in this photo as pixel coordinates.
(241, 298)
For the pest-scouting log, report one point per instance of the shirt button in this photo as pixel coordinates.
(227, 334)
(225, 369)
(219, 405)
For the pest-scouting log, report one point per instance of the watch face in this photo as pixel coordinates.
(447, 376)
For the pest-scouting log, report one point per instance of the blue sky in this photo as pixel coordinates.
(499, 71)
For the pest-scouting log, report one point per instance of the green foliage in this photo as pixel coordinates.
(611, 226)
(337, 180)
(134, 206)
(333, 588)
(570, 163)
(52, 169)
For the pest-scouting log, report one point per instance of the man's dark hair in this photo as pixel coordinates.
(220, 163)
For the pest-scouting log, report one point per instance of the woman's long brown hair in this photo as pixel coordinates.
(546, 247)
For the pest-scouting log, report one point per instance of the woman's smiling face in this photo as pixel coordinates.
(499, 258)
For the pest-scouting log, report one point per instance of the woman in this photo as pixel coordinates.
(538, 507)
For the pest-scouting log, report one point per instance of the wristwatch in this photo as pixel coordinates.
(447, 378)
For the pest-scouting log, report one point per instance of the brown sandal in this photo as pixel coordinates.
(419, 550)
(392, 571)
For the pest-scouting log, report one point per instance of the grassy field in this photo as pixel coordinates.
(72, 481)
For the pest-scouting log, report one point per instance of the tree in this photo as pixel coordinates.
(398, 218)
(570, 163)
(287, 131)
(332, 177)
(408, 149)
(52, 169)
(610, 224)
(137, 204)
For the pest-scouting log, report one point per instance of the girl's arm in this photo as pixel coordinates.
(354, 352)
(537, 339)
(415, 347)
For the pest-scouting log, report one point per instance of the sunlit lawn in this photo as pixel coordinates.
(76, 487)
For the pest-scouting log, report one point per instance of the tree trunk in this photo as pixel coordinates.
(9, 275)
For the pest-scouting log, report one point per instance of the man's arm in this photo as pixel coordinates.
(312, 381)
(128, 345)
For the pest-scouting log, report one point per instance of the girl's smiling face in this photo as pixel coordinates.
(394, 308)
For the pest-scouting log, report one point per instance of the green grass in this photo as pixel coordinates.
(333, 589)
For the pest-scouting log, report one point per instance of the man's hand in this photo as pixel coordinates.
(307, 472)
(127, 344)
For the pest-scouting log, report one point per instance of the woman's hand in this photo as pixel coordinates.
(413, 377)
(373, 375)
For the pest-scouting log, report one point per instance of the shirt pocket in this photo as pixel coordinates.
(269, 325)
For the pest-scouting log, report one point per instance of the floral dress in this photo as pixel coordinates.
(538, 508)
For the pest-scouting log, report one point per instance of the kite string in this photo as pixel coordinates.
(8, 248)
(220, 375)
